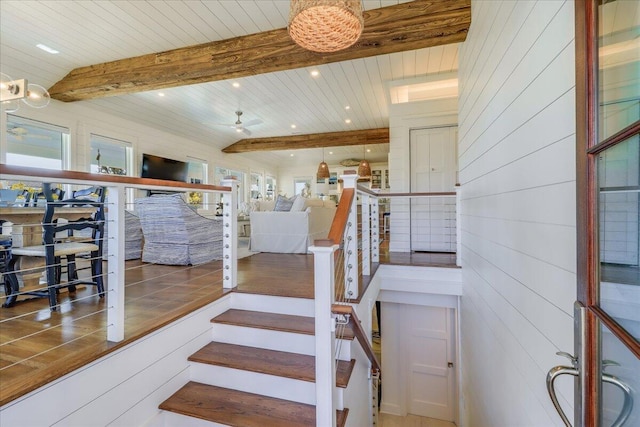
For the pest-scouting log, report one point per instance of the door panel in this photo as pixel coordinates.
(608, 174)
(619, 222)
(430, 343)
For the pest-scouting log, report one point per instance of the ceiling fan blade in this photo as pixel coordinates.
(252, 122)
(246, 131)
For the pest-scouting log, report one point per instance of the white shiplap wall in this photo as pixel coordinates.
(517, 171)
(82, 120)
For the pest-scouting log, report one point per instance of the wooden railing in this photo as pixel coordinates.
(107, 331)
(359, 332)
(336, 285)
(339, 223)
(355, 238)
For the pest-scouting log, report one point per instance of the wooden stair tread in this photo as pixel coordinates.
(271, 362)
(272, 321)
(237, 408)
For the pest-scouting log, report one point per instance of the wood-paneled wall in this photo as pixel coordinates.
(517, 171)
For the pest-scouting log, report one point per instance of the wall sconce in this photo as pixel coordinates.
(14, 91)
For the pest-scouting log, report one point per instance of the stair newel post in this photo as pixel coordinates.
(366, 233)
(325, 330)
(351, 242)
(375, 229)
(115, 273)
(230, 234)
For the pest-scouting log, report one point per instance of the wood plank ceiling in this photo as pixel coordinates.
(406, 26)
(97, 32)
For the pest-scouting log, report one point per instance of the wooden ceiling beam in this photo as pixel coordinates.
(407, 26)
(313, 140)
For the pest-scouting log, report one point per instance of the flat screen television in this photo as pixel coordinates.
(161, 168)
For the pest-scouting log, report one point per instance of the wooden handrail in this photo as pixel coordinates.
(342, 215)
(95, 177)
(366, 190)
(360, 334)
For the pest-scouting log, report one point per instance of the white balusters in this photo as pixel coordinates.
(115, 263)
(230, 234)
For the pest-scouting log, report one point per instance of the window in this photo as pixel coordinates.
(270, 190)
(256, 186)
(109, 155)
(302, 186)
(30, 142)
(239, 175)
(197, 174)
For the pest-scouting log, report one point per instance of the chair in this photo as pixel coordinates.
(57, 192)
(26, 196)
(5, 253)
(176, 235)
(55, 247)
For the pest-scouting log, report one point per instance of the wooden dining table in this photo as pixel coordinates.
(26, 230)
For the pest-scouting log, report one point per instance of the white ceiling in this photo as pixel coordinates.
(90, 32)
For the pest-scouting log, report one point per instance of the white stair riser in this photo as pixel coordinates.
(273, 340)
(273, 304)
(344, 349)
(264, 338)
(255, 382)
(172, 419)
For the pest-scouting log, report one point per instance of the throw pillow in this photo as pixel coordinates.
(283, 204)
(298, 204)
(266, 205)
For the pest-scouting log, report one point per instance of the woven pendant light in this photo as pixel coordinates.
(364, 168)
(325, 25)
(323, 168)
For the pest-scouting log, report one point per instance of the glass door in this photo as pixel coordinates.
(607, 352)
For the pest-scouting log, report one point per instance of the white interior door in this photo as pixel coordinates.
(430, 343)
(433, 169)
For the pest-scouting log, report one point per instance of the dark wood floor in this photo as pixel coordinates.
(38, 346)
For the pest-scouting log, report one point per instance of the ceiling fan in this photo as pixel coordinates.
(241, 127)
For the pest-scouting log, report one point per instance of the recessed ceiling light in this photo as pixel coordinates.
(235, 84)
(347, 107)
(315, 73)
(47, 48)
(161, 94)
(330, 152)
(347, 121)
(291, 155)
(293, 126)
(368, 150)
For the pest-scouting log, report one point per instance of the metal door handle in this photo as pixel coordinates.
(556, 371)
(627, 406)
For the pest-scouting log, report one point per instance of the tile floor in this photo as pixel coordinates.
(387, 420)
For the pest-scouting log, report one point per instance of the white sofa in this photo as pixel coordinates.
(293, 231)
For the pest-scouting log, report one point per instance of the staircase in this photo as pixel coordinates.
(259, 368)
